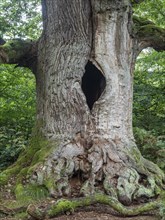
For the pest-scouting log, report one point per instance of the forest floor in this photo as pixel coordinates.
(93, 215)
(102, 216)
(93, 212)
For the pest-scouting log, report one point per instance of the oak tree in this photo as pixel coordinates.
(83, 62)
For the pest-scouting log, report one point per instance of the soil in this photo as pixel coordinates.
(101, 216)
(92, 215)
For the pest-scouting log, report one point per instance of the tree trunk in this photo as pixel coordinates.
(86, 58)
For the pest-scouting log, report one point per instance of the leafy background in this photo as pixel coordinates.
(17, 111)
(20, 19)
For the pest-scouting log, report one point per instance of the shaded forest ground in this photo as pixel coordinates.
(92, 212)
(94, 215)
(102, 216)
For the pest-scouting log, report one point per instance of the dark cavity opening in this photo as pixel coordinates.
(93, 83)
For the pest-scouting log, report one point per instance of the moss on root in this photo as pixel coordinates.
(64, 205)
(14, 209)
(25, 195)
(30, 192)
(34, 155)
(25, 192)
(21, 215)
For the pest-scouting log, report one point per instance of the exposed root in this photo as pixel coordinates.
(69, 206)
(108, 168)
(6, 211)
(11, 211)
(120, 170)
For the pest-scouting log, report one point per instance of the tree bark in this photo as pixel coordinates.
(96, 143)
(20, 52)
(93, 148)
(64, 49)
(147, 34)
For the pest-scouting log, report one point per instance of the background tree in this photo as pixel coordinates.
(84, 127)
(18, 19)
(149, 105)
(149, 81)
(17, 112)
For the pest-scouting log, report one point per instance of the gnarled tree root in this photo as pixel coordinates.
(69, 206)
(6, 211)
(11, 211)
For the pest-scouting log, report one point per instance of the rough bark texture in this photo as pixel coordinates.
(63, 52)
(92, 148)
(95, 145)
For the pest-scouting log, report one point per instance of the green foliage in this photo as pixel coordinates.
(149, 91)
(151, 146)
(33, 156)
(17, 111)
(20, 19)
(151, 10)
(149, 105)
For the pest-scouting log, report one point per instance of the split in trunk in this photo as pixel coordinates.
(93, 84)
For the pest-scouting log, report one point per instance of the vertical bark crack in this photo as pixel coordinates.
(93, 84)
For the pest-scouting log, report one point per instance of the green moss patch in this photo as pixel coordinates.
(7, 174)
(61, 207)
(29, 193)
(64, 205)
(145, 28)
(34, 155)
(21, 215)
(25, 195)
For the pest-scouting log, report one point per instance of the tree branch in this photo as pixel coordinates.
(20, 52)
(148, 34)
